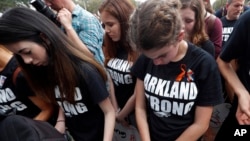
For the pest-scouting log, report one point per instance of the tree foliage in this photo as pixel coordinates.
(90, 5)
(6, 4)
(218, 4)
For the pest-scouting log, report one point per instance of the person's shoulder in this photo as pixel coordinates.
(246, 7)
(208, 43)
(226, 22)
(219, 13)
(213, 22)
(245, 15)
(198, 53)
(217, 20)
(193, 49)
(11, 65)
(223, 18)
(243, 21)
(143, 58)
(217, 23)
(83, 65)
(80, 11)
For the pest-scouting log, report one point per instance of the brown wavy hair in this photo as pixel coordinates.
(155, 23)
(199, 34)
(121, 10)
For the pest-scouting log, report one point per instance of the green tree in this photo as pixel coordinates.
(93, 5)
(6, 4)
(90, 5)
(218, 4)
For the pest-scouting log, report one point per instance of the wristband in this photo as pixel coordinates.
(60, 121)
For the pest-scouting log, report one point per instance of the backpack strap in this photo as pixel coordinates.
(14, 76)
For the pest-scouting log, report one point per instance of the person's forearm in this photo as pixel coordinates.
(128, 108)
(140, 111)
(112, 95)
(142, 124)
(44, 115)
(61, 115)
(60, 123)
(109, 125)
(193, 132)
(200, 125)
(231, 77)
(47, 109)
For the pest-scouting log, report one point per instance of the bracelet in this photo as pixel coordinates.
(60, 121)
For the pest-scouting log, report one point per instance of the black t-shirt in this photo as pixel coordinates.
(16, 95)
(85, 119)
(238, 47)
(124, 82)
(173, 90)
(228, 26)
(209, 47)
